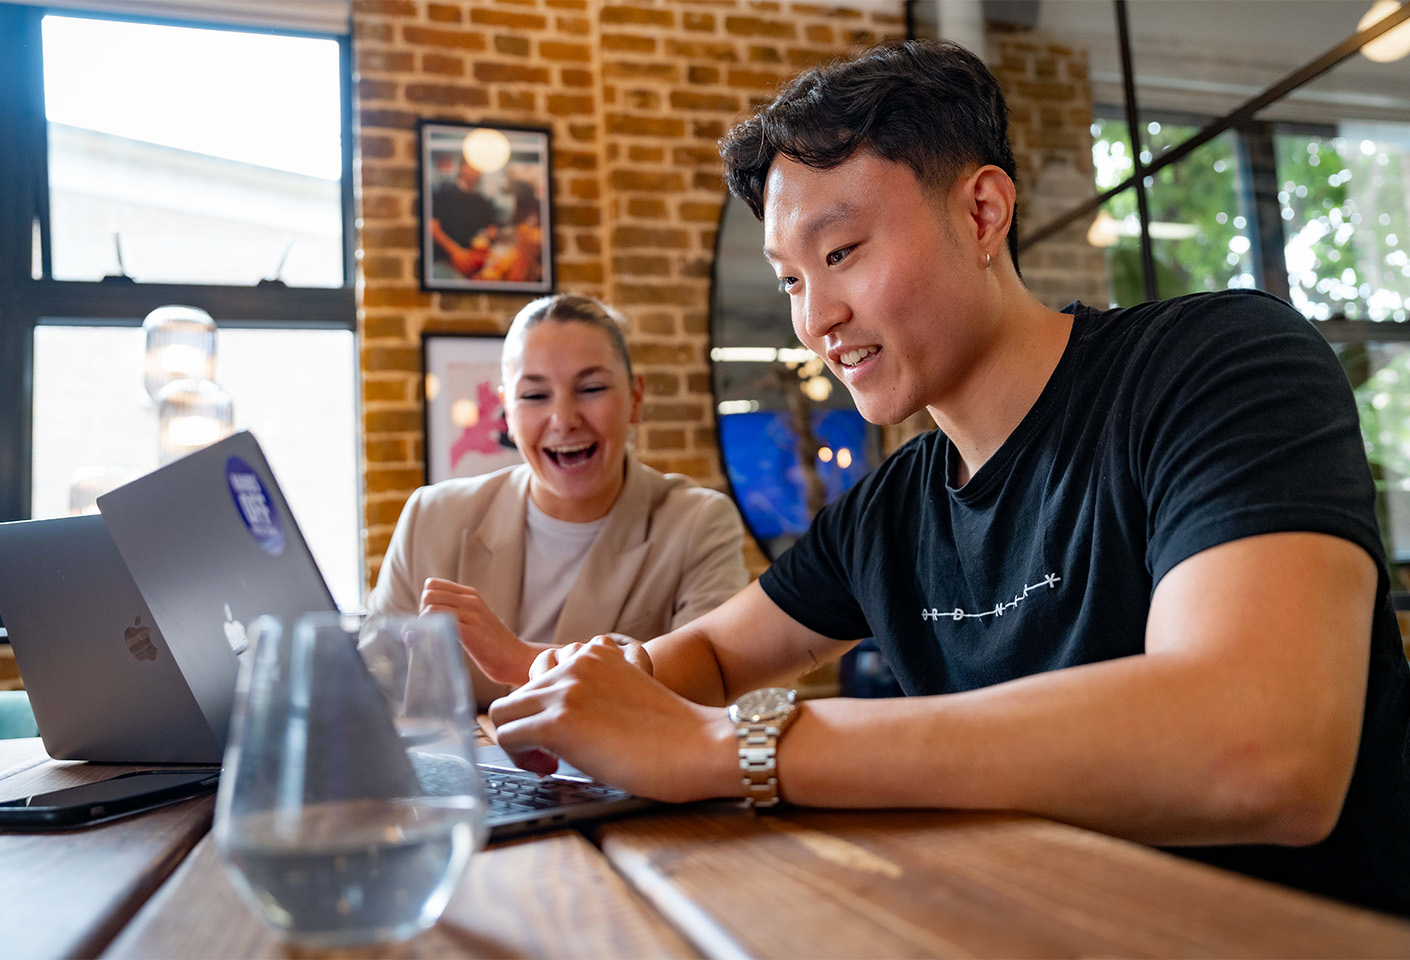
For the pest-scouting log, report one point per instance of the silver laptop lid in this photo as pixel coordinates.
(101, 677)
(212, 545)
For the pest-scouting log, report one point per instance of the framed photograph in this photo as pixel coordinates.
(486, 208)
(465, 430)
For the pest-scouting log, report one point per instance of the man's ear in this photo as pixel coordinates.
(991, 197)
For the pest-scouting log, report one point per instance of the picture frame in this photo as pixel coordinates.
(486, 208)
(465, 431)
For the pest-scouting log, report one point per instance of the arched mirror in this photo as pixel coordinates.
(790, 438)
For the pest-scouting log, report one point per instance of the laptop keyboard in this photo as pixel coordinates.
(507, 792)
(518, 791)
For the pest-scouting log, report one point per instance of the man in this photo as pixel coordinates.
(1132, 582)
(464, 222)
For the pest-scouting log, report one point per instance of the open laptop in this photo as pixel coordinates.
(104, 682)
(211, 544)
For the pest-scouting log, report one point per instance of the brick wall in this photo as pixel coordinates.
(1050, 117)
(636, 95)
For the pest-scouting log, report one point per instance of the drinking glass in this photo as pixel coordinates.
(349, 802)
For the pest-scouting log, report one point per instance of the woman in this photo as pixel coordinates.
(581, 539)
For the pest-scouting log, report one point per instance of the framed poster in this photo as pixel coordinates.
(466, 434)
(486, 208)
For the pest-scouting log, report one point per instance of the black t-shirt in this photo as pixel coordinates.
(1166, 428)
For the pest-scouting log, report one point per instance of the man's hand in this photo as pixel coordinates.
(503, 656)
(632, 649)
(616, 723)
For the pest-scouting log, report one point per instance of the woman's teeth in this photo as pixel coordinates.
(853, 357)
(567, 456)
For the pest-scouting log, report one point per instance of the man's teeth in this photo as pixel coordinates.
(571, 449)
(853, 357)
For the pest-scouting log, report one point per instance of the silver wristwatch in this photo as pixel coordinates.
(759, 719)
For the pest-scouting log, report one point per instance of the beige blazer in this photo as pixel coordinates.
(669, 551)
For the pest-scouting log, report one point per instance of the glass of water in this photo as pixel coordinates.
(349, 803)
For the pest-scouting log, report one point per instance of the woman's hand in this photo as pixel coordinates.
(612, 720)
(502, 655)
(632, 649)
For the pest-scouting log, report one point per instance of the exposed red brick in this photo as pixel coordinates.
(440, 63)
(702, 75)
(690, 100)
(512, 46)
(575, 77)
(642, 266)
(698, 21)
(573, 25)
(589, 272)
(510, 73)
(506, 18)
(759, 27)
(389, 8)
(620, 123)
(647, 208)
(517, 101)
(669, 238)
(653, 16)
(433, 37)
(384, 268)
(628, 42)
(444, 13)
(646, 181)
(387, 175)
(381, 479)
(563, 104)
(572, 52)
(446, 95)
(576, 215)
(384, 326)
(376, 389)
(384, 61)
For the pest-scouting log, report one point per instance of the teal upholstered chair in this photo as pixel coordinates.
(16, 718)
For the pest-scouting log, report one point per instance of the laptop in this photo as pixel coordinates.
(104, 681)
(211, 544)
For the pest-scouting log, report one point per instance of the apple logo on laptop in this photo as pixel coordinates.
(139, 640)
(235, 633)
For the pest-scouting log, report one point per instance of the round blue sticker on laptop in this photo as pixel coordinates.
(255, 506)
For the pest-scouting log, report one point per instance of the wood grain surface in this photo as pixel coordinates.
(67, 893)
(945, 884)
(551, 896)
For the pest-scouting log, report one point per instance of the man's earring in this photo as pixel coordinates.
(988, 259)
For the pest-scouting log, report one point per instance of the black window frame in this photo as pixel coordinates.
(26, 302)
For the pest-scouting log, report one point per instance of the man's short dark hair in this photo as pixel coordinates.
(929, 104)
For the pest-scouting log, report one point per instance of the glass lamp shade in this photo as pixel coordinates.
(192, 414)
(180, 346)
(486, 149)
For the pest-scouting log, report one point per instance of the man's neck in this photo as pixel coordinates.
(982, 412)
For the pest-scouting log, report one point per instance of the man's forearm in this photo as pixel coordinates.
(1145, 747)
(684, 660)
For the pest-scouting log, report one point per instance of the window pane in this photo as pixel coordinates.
(209, 169)
(1200, 235)
(1380, 374)
(1346, 213)
(95, 427)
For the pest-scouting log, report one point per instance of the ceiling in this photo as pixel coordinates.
(1208, 56)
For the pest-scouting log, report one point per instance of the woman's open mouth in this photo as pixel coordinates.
(571, 455)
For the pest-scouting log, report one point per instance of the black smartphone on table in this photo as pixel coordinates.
(105, 800)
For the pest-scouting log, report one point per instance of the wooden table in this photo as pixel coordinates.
(707, 880)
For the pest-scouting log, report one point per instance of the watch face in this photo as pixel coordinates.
(765, 704)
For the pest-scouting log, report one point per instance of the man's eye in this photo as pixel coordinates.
(785, 283)
(532, 396)
(837, 256)
(592, 388)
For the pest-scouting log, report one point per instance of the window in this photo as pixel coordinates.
(164, 164)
